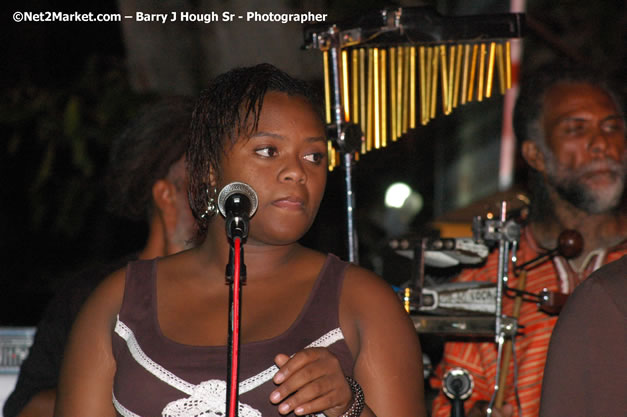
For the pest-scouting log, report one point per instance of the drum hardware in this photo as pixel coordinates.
(478, 326)
(467, 297)
(508, 350)
(457, 385)
(443, 252)
(551, 302)
(507, 234)
(382, 68)
(569, 245)
(477, 297)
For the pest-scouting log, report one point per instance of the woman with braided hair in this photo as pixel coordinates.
(319, 336)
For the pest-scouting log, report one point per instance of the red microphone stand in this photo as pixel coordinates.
(235, 277)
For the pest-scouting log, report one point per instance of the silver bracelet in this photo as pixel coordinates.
(359, 401)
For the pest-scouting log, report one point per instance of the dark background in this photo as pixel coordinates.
(67, 90)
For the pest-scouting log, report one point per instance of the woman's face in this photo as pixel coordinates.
(285, 162)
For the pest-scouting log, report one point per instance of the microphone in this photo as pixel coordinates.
(237, 202)
(457, 385)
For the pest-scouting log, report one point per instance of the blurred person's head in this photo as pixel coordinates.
(147, 178)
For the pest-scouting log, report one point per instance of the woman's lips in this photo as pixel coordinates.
(290, 203)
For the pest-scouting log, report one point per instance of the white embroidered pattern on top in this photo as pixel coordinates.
(208, 398)
(123, 410)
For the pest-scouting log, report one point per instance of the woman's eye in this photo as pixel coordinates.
(268, 151)
(315, 157)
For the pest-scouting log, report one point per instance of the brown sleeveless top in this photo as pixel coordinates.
(156, 376)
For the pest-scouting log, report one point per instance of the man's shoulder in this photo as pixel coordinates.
(612, 277)
(78, 285)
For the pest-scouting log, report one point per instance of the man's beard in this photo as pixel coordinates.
(569, 185)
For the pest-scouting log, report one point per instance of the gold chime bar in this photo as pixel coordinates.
(458, 63)
(464, 92)
(500, 61)
(433, 89)
(412, 87)
(406, 88)
(445, 83)
(370, 107)
(393, 107)
(450, 79)
(383, 97)
(508, 64)
(377, 100)
(363, 102)
(355, 86)
(488, 86)
(481, 74)
(345, 84)
(332, 155)
(473, 64)
(400, 70)
(327, 87)
(424, 114)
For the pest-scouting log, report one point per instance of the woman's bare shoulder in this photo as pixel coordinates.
(366, 282)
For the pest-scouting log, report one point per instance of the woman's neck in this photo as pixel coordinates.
(258, 257)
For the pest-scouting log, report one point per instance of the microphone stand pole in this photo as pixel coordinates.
(235, 277)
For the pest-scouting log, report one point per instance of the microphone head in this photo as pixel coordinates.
(237, 188)
(458, 383)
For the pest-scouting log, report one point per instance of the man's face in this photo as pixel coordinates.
(586, 155)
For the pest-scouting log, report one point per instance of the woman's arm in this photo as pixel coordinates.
(388, 358)
(86, 379)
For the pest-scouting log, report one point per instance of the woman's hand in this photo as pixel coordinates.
(310, 382)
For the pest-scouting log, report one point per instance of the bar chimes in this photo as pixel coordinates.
(401, 67)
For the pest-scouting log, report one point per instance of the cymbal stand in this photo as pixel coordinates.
(346, 135)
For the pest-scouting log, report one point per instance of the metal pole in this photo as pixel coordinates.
(334, 50)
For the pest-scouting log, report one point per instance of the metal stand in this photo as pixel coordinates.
(507, 233)
(235, 276)
(347, 136)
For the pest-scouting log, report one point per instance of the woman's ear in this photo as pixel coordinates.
(533, 155)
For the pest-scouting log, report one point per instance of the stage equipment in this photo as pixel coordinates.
(14, 345)
(457, 385)
(569, 245)
(382, 71)
(442, 252)
(237, 203)
(507, 234)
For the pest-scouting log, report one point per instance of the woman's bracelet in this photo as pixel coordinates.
(359, 401)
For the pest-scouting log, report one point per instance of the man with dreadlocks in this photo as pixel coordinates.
(571, 129)
(146, 182)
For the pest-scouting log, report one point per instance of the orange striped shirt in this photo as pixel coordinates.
(535, 327)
